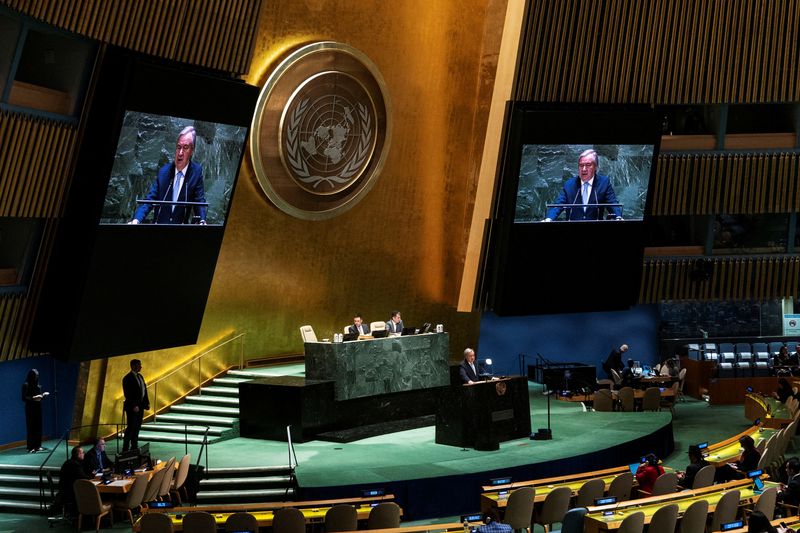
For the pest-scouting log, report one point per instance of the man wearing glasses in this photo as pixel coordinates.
(180, 181)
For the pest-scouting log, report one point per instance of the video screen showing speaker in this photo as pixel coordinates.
(573, 195)
(172, 170)
(160, 150)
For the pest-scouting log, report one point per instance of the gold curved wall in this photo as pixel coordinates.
(403, 246)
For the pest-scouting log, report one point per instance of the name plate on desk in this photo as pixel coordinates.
(380, 366)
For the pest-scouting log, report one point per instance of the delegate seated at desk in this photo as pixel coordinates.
(748, 461)
(395, 323)
(627, 375)
(359, 326)
(96, 460)
(589, 189)
(71, 470)
(696, 462)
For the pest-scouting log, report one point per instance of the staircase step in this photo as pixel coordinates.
(248, 374)
(26, 468)
(205, 410)
(20, 492)
(20, 505)
(220, 391)
(197, 419)
(233, 471)
(221, 401)
(229, 382)
(264, 493)
(24, 479)
(169, 437)
(239, 481)
(180, 428)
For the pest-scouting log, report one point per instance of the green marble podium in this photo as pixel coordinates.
(380, 366)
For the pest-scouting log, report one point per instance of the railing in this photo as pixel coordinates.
(175, 381)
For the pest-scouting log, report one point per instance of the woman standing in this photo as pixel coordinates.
(32, 395)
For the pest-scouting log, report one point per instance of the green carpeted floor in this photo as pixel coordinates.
(413, 454)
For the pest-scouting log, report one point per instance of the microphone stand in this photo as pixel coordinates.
(544, 433)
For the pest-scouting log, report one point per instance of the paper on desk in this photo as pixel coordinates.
(119, 483)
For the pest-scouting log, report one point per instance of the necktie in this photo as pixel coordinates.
(176, 188)
(585, 194)
(141, 384)
(100, 460)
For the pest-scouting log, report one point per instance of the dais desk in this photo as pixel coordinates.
(773, 414)
(729, 450)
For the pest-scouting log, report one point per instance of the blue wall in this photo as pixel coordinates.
(580, 337)
(53, 376)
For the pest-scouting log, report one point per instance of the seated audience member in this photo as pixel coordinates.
(782, 362)
(790, 493)
(696, 462)
(71, 470)
(492, 523)
(672, 370)
(395, 323)
(96, 460)
(359, 326)
(758, 522)
(784, 391)
(748, 461)
(468, 369)
(648, 472)
(627, 375)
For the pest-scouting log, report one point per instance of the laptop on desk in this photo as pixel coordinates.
(349, 337)
(409, 331)
(380, 333)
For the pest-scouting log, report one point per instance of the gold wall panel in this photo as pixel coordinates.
(660, 51)
(735, 278)
(402, 247)
(217, 35)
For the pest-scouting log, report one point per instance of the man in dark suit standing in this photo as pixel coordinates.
(136, 402)
(179, 181)
(359, 326)
(467, 370)
(587, 189)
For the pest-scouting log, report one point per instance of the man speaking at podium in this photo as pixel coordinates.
(467, 370)
(180, 181)
(589, 189)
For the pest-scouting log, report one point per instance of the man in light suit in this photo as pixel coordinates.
(359, 326)
(468, 369)
(588, 189)
(395, 324)
(180, 181)
(136, 403)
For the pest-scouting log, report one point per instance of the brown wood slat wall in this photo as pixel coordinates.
(703, 184)
(34, 169)
(739, 278)
(660, 51)
(218, 35)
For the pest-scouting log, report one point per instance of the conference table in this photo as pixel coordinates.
(597, 522)
(313, 511)
(121, 484)
(790, 521)
(638, 394)
(771, 412)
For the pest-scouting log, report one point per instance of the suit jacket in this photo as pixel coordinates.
(70, 471)
(391, 328)
(364, 325)
(133, 394)
(466, 372)
(602, 193)
(191, 191)
(691, 472)
(90, 463)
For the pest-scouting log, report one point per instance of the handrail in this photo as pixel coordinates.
(195, 358)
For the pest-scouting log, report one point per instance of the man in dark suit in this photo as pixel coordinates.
(588, 189)
(96, 460)
(468, 369)
(790, 494)
(179, 181)
(136, 402)
(71, 470)
(359, 326)
(395, 323)
(696, 463)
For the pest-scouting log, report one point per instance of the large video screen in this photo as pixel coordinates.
(552, 176)
(172, 170)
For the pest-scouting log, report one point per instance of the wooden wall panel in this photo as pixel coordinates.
(715, 183)
(660, 51)
(730, 278)
(218, 35)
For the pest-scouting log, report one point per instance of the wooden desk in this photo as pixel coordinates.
(497, 496)
(773, 414)
(638, 394)
(449, 526)
(729, 450)
(791, 521)
(313, 515)
(595, 521)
